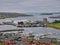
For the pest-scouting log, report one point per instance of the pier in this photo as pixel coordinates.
(10, 30)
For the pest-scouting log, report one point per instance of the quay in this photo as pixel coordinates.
(24, 23)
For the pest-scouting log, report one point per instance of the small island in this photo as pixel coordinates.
(55, 16)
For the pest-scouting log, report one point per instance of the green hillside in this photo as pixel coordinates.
(11, 15)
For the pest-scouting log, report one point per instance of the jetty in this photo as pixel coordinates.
(10, 30)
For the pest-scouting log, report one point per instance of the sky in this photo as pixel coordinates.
(29, 6)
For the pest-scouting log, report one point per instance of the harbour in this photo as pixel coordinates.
(38, 32)
(29, 22)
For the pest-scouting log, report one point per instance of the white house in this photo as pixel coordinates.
(24, 21)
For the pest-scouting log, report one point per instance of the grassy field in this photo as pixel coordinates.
(54, 25)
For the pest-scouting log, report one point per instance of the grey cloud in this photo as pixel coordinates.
(30, 5)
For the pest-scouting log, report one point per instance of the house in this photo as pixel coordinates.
(7, 22)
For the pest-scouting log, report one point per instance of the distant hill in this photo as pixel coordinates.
(11, 14)
(46, 14)
(50, 13)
